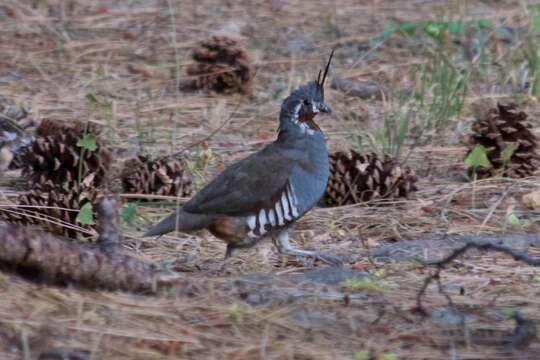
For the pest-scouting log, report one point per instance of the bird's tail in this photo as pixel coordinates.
(180, 221)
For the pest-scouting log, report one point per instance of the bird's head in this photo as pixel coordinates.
(301, 107)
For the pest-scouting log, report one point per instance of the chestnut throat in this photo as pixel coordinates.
(309, 120)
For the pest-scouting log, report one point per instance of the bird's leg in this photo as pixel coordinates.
(243, 244)
(281, 241)
(232, 246)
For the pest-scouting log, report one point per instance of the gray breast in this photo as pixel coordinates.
(303, 190)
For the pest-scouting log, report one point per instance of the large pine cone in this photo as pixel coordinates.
(55, 156)
(221, 65)
(156, 176)
(51, 207)
(356, 178)
(495, 130)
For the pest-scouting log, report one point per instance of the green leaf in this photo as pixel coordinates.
(434, 30)
(534, 7)
(357, 142)
(513, 220)
(91, 98)
(509, 313)
(88, 142)
(402, 133)
(508, 152)
(235, 312)
(85, 215)
(389, 30)
(477, 158)
(353, 284)
(455, 27)
(361, 355)
(536, 278)
(129, 213)
(408, 28)
(536, 22)
(484, 24)
(379, 273)
(100, 72)
(378, 39)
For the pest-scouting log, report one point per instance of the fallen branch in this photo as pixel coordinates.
(46, 258)
(440, 264)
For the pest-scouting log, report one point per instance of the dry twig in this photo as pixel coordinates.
(440, 264)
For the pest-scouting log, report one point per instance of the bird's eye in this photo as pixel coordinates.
(307, 102)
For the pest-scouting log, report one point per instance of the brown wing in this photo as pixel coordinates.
(243, 186)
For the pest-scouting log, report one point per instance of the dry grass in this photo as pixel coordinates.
(130, 57)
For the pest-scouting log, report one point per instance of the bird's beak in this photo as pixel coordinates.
(324, 108)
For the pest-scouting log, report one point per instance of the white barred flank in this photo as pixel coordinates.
(285, 205)
(292, 200)
(282, 213)
(279, 213)
(271, 217)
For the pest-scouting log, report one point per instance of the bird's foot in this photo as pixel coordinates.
(330, 260)
(285, 248)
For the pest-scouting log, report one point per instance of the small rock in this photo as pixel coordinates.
(363, 89)
(65, 354)
(532, 200)
(332, 275)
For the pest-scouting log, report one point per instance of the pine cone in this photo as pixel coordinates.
(51, 207)
(156, 176)
(17, 114)
(16, 131)
(495, 130)
(358, 178)
(221, 65)
(54, 156)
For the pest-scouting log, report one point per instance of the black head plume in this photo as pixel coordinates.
(320, 81)
(310, 93)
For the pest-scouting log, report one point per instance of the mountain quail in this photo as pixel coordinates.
(263, 194)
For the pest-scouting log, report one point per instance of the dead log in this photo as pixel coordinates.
(46, 258)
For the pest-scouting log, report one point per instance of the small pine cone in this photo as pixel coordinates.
(51, 207)
(17, 114)
(55, 156)
(495, 130)
(356, 178)
(16, 130)
(221, 65)
(156, 176)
